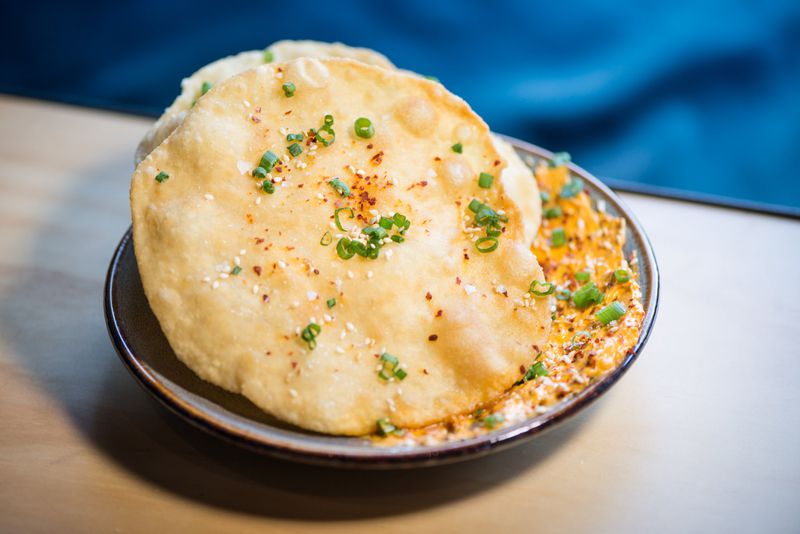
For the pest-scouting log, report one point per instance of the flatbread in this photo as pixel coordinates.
(517, 177)
(234, 275)
(224, 68)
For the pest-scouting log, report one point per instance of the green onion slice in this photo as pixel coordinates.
(549, 288)
(295, 137)
(326, 240)
(364, 128)
(336, 217)
(560, 158)
(288, 89)
(236, 270)
(612, 312)
(458, 148)
(545, 196)
(268, 187)
(491, 421)
(475, 205)
(579, 339)
(309, 334)
(582, 276)
(534, 371)
(571, 188)
(398, 238)
(563, 294)
(385, 427)
(260, 172)
(268, 56)
(622, 276)
(162, 177)
(485, 180)
(295, 149)
(344, 249)
(390, 367)
(586, 295)
(553, 212)
(205, 88)
(268, 160)
(340, 187)
(331, 303)
(482, 248)
(558, 238)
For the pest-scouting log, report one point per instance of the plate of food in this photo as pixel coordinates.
(336, 261)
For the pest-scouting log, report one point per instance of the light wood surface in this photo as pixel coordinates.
(702, 435)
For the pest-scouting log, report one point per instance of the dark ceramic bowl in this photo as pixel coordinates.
(147, 354)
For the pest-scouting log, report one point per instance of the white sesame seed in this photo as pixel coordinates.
(246, 103)
(242, 252)
(215, 285)
(389, 254)
(350, 327)
(327, 318)
(469, 289)
(258, 200)
(320, 196)
(374, 213)
(206, 279)
(278, 179)
(237, 260)
(311, 295)
(342, 335)
(369, 274)
(255, 289)
(243, 166)
(350, 275)
(295, 304)
(209, 196)
(284, 131)
(293, 393)
(281, 264)
(223, 275)
(340, 350)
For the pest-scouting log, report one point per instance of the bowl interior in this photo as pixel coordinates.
(146, 352)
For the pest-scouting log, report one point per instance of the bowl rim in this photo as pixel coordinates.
(297, 448)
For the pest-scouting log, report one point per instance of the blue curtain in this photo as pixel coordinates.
(702, 96)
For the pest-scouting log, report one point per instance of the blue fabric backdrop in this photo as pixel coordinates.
(703, 96)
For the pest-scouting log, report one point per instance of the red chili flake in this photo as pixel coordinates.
(259, 241)
(278, 169)
(496, 162)
(438, 313)
(425, 371)
(522, 370)
(433, 337)
(289, 248)
(536, 348)
(258, 109)
(265, 298)
(428, 296)
(423, 183)
(437, 158)
(466, 256)
(249, 218)
(255, 119)
(458, 281)
(377, 158)
(269, 353)
(294, 365)
(316, 271)
(288, 112)
(257, 269)
(369, 146)
(300, 186)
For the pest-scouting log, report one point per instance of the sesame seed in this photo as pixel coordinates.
(237, 260)
(469, 289)
(215, 285)
(223, 275)
(327, 318)
(369, 274)
(295, 304)
(321, 197)
(311, 295)
(340, 350)
(350, 275)
(342, 335)
(281, 264)
(350, 327)
(255, 289)
(209, 196)
(206, 279)
(258, 200)
(293, 393)
(242, 252)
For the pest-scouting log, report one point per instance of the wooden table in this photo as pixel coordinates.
(702, 435)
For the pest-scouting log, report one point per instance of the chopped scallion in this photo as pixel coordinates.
(340, 187)
(547, 288)
(344, 249)
(295, 149)
(622, 276)
(610, 313)
(295, 137)
(458, 148)
(288, 89)
(552, 212)
(482, 248)
(485, 180)
(268, 187)
(364, 128)
(309, 334)
(268, 160)
(385, 427)
(571, 188)
(331, 303)
(560, 158)
(162, 177)
(586, 295)
(326, 240)
(236, 270)
(582, 276)
(268, 56)
(559, 237)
